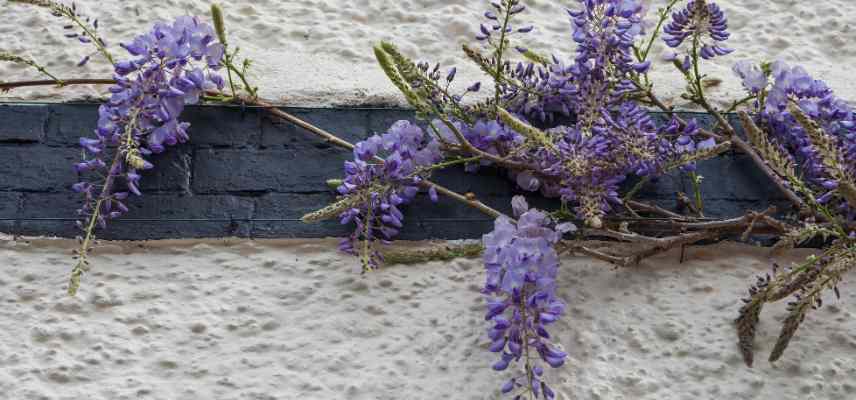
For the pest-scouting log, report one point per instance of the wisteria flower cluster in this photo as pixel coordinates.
(374, 188)
(533, 88)
(613, 136)
(489, 136)
(173, 65)
(521, 266)
(827, 155)
(702, 22)
(808, 137)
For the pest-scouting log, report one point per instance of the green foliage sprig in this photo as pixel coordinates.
(4, 56)
(89, 30)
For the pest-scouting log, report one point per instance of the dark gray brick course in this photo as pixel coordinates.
(166, 207)
(287, 170)
(293, 206)
(349, 124)
(9, 208)
(735, 178)
(171, 173)
(48, 206)
(69, 122)
(223, 126)
(37, 168)
(241, 164)
(23, 123)
(380, 120)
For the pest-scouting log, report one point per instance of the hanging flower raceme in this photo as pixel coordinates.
(522, 264)
(533, 87)
(827, 155)
(753, 78)
(612, 137)
(702, 21)
(605, 31)
(591, 167)
(374, 188)
(544, 91)
(174, 65)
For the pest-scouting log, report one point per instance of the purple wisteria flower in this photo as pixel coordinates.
(612, 136)
(487, 135)
(492, 28)
(544, 92)
(753, 78)
(686, 141)
(520, 289)
(835, 116)
(531, 90)
(702, 21)
(173, 65)
(378, 187)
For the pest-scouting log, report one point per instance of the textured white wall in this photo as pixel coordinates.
(319, 52)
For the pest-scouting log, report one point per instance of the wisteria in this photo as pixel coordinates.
(829, 166)
(375, 188)
(172, 65)
(613, 136)
(704, 23)
(81, 28)
(808, 137)
(573, 129)
(521, 266)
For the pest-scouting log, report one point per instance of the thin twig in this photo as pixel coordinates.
(641, 206)
(694, 232)
(6, 86)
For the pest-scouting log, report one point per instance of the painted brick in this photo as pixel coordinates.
(349, 124)
(156, 207)
(380, 120)
(447, 219)
(228, 171)
(735, 178)
(167, 207)
(37, 168)
(50, 205)
(223, 126)
(288, 170)
(171, 172)
(23, 123)
(487, 181)
(9, 208)
(294, 206)
(69, 122)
